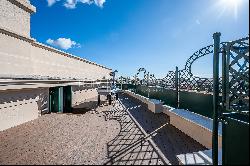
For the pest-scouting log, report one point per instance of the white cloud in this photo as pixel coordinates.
(51, 2)
(71, 4)
(100, 2)
(63, 43)
(50, 41)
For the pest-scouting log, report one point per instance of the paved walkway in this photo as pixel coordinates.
(125, 133)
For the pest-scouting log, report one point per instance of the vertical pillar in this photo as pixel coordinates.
(148, 83)
(99, 100)
(224, 78)
(177, 86)
(109, 99)
(135, 84)
(216, 37)
(224, 92)
(51, 99)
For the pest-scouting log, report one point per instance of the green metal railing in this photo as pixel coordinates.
(235, 102)
(216, 37)
(216, 97)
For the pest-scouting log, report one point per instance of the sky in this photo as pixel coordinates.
(128, 34)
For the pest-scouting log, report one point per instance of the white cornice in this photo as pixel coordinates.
(24, 4)
(11, 33)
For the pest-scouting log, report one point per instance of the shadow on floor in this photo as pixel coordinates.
(131, 146)
(87, 106)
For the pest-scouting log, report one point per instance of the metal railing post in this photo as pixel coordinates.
(224, 77)
(216, 37)
(177, 86)
(148, 83)
(224, 92)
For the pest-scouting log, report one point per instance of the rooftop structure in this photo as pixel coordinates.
(58, 108)
(32, 71)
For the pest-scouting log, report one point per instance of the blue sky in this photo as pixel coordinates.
(128, 34)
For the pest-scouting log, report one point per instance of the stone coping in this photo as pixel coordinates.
(199, 119)
(25, 5)
(154, 105)
(11, 33)
(155, 101)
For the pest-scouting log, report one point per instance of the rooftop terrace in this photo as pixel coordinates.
(122, 133)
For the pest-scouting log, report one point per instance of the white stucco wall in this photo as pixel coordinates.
(17, 107)
(15, 56)
(81, 95)
(22, 55)
(13, 17)
(51, 63)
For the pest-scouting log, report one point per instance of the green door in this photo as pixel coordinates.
(67, 99)
(56, 99)
(53, 99)
(60, 100)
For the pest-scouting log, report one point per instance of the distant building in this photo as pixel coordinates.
(35, 78)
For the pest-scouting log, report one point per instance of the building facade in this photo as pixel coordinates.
(36, 78)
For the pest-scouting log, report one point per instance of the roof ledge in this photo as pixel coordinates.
(25, 5)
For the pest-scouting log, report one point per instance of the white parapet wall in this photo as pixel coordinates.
(192, 128)
(153, 105)
(198, 129)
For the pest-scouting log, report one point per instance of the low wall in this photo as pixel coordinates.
(195, 130)
(198, 132)
(20, 106)
(198, 102)
(153, 105)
